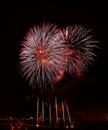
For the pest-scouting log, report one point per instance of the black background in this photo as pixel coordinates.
(88, 93)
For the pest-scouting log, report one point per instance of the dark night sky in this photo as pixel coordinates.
(88, 92)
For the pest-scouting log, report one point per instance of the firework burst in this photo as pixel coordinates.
(80, 44)
(48, 52)
(42, 55)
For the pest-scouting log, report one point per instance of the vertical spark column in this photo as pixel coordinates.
(56, 110)
(63, 112)
(68, 114)
(37, 113)
(50, 112)
(43, 111)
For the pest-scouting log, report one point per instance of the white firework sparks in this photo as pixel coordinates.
(42, 55)
(81, 45)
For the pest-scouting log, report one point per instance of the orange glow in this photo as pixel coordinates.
(72, 126)
(40, 51)
(37, 125)
(67, 126)
(43, 61)
(12, 128)
(41, 54)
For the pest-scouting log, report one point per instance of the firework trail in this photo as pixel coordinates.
(42, 56)
(81, 45)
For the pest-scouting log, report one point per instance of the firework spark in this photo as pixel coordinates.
(81, 45)
(47, 53)
(42, 55)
